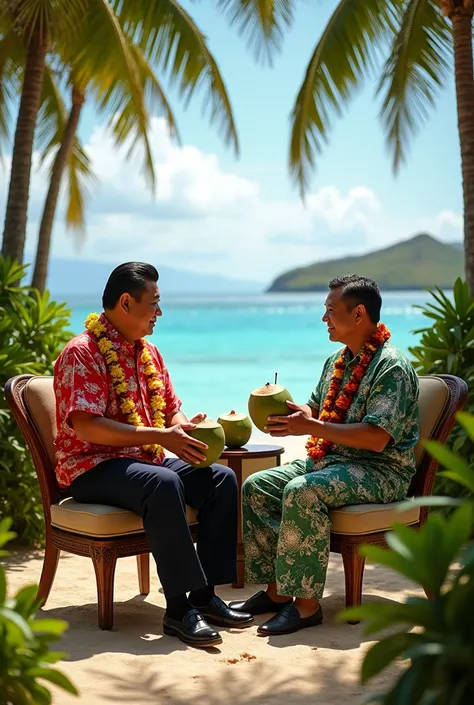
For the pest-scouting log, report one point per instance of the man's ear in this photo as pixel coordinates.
(124, 302)
(360, 313)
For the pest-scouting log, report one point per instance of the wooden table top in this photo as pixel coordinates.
(253, 450)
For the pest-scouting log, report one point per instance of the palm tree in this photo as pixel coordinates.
(68, 129)
(125, 123)
(410, 45)
(38, 24)
(161, 29)
(52, 119)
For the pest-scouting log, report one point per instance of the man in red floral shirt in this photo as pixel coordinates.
(116, 412)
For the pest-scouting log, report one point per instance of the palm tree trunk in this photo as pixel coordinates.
(40, 273)
(462, 29)
(14, 233)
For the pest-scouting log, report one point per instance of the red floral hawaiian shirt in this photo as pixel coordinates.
(82, 383)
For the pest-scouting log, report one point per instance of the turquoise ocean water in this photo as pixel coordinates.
(219, 349)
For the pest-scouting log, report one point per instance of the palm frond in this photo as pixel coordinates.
(12, 60)
(103, 62)
(124, 122)
(262, 22)
(155, 96)
(414, 72)
(115, 100)
(171, 40)
(53, 19)
(349, 49)
(79, 181)
(52, 116)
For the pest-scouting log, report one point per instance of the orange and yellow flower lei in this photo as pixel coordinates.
(154, 383)
(337, 403)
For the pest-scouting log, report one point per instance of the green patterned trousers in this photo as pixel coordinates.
(286, 523)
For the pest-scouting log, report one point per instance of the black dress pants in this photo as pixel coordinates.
(159, 494)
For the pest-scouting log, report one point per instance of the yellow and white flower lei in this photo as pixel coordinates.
(154, 383)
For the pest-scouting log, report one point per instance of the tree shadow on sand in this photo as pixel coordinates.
(243, 683)
(138, 631)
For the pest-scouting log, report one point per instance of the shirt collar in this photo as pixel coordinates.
(117, 338)
(350, 359)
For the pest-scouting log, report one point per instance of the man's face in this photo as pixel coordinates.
(142, 314)
(341, 322)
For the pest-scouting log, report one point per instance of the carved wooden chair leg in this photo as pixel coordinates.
(354, 575)
(104, 559)
(143, 565)
(50, 564)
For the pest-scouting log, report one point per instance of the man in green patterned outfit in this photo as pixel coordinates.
(371, 459)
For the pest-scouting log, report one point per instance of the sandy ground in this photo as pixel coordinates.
(134, 663)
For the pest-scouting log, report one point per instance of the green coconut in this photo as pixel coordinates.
(237, 429)
(269, 400)
(212, 434)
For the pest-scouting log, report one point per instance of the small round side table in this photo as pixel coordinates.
(244, 462)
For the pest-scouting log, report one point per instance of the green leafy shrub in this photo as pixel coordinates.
(33, 330)
(25, 657)
(447, 346)
(440, 652)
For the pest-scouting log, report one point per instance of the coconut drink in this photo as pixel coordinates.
(212, 434)
(237, 429)
(269, 400)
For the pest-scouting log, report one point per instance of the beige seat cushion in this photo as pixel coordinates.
(100, 519)
(371, 518)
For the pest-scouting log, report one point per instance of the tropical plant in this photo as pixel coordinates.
(409, 46)
(33, 330)
(161, 29)
(435, 634)
(25, 655)
(447, 345)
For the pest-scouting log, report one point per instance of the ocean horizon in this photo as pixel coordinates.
(218, 348)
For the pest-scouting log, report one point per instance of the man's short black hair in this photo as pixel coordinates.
(128, 278)
(360, 290)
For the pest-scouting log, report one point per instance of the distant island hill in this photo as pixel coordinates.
(418, 263)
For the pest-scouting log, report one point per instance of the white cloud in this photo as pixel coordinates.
(208, 219)
(454, 221)
(446, 225)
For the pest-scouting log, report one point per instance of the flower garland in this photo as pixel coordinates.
(337, 403)
(153, 381)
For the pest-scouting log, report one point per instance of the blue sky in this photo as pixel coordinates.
(358, 203)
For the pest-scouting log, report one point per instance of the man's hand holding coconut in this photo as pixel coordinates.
(297, 423)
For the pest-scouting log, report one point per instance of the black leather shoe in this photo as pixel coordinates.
(259, 603)
(288, 620)
(217, 612)
(192, 629)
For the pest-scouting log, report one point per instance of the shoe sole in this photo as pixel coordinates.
(169, 631)
(237, 625)
(259, 612)
(287, 631)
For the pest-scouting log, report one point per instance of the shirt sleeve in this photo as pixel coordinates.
(391, 401)
(80, 383)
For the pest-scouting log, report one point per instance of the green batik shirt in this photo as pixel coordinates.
(387, 397)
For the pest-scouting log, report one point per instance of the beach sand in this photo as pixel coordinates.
(134, 663)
